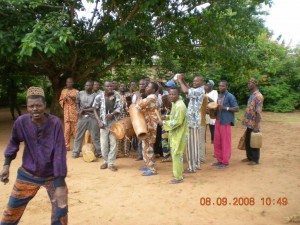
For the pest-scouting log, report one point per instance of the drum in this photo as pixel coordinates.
(87, 137)
(122, 128)
(212, 107)
(166, 101)
(138, 122)
(88, 154)
(256, 140)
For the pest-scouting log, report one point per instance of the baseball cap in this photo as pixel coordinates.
(170, 84)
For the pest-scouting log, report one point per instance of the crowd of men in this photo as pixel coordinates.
(174, 128)
(96, 110)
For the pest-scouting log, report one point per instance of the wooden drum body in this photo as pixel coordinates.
(212, 107)
(88, 152)
(138, 122)
(122, 128)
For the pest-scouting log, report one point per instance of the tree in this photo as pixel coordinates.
(48, 37)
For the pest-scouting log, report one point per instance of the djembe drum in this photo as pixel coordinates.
(212, 107)
(88, 152)
(122, 128)
(138, 122)
(166, 102)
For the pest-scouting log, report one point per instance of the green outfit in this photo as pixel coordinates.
(176, 125)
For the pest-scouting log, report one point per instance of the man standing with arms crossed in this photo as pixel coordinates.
(86, 120)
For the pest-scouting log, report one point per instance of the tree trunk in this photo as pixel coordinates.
(57, 86)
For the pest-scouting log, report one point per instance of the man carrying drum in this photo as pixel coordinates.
(107, 108)
(149, 106)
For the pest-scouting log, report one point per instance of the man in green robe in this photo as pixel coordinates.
(176, 125)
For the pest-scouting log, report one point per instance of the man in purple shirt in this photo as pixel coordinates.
(43, 164)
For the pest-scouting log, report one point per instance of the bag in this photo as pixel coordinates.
(241, 144)
(256, 140)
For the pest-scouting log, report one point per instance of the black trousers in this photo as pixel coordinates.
(212, 132)
(252, 153)
(157, 145)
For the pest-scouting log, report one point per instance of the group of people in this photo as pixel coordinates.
(179, 128)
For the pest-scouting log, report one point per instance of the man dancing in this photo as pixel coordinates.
(148, 105)
(43, 161)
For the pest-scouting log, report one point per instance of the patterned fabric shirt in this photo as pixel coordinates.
(254, 107)
(176, 125)
(125, 107)
(69, 105)
(148, 106)
(99, 103)
(196, 98)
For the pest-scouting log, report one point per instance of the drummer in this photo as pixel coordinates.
(138, 96)
(149, 105)
(107, 108)
(212, 97)
(123, 146)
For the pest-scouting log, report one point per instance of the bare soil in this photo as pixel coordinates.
(127, 198)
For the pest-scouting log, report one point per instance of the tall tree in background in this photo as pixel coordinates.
(48, 37)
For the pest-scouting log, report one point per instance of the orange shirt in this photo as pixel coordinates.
(67, 102)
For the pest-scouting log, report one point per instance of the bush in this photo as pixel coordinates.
(279, 98)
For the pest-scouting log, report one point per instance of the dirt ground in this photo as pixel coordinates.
(127, 198)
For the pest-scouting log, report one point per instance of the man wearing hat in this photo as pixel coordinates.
(166, 109)
(252, 120)
(43, 161)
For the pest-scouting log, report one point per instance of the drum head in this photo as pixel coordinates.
(212, 105)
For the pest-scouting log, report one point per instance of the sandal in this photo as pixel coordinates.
(149, 173)
(143, 168)
(174, 181)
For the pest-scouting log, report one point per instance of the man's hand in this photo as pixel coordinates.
(255, 129)
(100, 124)
(4, 174)
(160, 123)
(80, 111)
(221, 107)
(109, 117)
(61, 197)
(180, 78)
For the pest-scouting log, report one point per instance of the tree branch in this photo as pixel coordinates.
(91, 67)
(94, 14)
(111, 65)
(132, 13)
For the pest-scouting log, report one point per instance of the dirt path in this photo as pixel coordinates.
(126, 198)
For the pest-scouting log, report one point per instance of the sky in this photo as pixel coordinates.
(284, 19)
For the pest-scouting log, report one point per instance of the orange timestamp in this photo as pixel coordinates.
(243, 201)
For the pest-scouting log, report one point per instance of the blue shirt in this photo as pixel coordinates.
(227, 117)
